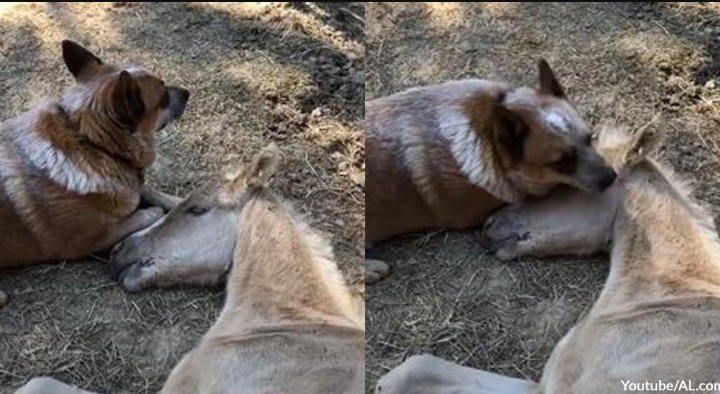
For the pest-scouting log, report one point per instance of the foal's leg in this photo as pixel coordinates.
(155, 198)
(137, 221)
(432, 375)
(566, 222)
(49, 386)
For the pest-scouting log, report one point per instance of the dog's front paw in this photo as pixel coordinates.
(375, 270)
(503, 234)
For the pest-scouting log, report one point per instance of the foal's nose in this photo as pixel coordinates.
(118, 261)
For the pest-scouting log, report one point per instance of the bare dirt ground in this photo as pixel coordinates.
(618, 61)
(292, 73)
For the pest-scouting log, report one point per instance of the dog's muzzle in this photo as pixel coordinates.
(178, 101)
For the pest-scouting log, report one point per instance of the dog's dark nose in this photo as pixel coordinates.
(184, 94)
(607, 179)
(178, 100)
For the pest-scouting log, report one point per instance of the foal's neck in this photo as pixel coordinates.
(663, 240)
(285, 272)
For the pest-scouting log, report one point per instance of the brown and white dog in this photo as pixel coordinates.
(71, 171)
(447, 156)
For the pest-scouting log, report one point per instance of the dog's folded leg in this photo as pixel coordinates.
(49, 386)
(432, 375)
(155, 198)
(137, 221)
(567, 222)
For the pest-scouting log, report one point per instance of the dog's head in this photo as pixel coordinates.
(543, 142)
(119, 107)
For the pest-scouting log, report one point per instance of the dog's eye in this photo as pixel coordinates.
(197, 210)
(588, 139)
(566, 164)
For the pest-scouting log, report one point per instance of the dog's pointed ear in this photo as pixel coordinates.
(79, 61)
(263, 166)
(548, 82)
(128, 105)
(510, 131)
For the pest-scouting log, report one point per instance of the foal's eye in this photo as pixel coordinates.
(197, 210)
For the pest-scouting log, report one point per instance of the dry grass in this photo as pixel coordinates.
(623, 62)
(292, 73)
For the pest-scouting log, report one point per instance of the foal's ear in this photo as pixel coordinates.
(263, 166)
(643, 143)
(621, 147)
(252, 176)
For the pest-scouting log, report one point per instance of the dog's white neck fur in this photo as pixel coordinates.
(60, 168)
(74, 102)
(470, 153)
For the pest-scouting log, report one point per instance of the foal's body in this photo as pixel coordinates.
(288, 325)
